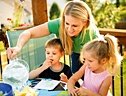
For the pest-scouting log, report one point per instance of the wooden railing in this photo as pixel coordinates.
(119, 33)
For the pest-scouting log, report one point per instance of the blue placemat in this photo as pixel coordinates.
(52, 93)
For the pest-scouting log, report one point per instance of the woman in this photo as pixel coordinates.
(75, 28)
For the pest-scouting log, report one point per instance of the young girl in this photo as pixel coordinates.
(99, 57)
(52, 67)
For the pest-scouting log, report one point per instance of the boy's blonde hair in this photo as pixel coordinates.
(104, 47)
(55, 43)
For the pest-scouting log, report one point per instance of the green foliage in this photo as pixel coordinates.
(106, 14)
(54, 11)
(94, 5)
(123, 11)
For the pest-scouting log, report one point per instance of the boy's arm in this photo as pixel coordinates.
(34, 73)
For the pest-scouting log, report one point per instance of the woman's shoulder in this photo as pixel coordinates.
(54, 25)
(54, 21)
(93, 31)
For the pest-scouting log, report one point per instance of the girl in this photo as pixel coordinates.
(100, 58)
(52, 67)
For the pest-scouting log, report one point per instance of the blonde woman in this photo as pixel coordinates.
(75, 28)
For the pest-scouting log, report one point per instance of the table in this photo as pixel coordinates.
(52, 93)
(119, 33)
(58, 90)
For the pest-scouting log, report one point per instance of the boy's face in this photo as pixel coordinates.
(53, 54)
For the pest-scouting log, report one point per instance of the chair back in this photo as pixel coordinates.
(33, 52)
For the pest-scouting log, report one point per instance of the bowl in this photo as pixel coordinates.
(6, 89)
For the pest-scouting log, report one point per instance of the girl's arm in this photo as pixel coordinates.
(102, 91)
(74, 78)
(105, 86)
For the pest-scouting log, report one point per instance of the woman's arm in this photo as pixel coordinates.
(34, 32)
(38, 31)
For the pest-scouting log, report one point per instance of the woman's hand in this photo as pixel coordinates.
(63, 77)
(12, 52)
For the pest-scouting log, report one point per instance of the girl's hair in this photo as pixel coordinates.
(77, 9)
(55, 43)
(104, 47)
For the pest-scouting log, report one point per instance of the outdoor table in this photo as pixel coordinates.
(57, 91)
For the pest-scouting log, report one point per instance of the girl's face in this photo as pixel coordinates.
(53, 54)
(73, 26)
(92, 63)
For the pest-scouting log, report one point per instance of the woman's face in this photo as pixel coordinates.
(73, 26)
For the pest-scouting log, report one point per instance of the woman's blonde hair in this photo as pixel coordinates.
(105, 47)
(77, 9)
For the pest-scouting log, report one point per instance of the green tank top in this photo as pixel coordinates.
(91, 33)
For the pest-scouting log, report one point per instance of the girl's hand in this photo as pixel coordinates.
(73, 92)
(63, 77)
(81, 91)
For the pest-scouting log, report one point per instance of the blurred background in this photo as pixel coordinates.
(107, 13)
(22, 14)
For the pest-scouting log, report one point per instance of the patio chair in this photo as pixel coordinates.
(33, 52)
